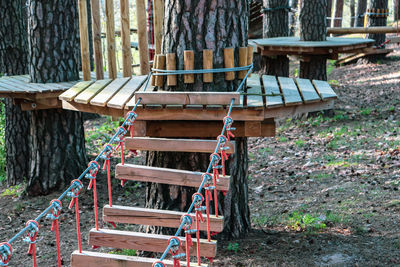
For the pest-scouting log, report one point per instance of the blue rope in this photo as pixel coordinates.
(161, 72)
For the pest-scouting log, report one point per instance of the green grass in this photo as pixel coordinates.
(234, 247)
(12, 191)
(126, 252)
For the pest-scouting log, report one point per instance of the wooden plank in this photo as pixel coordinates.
(96, 259)
(165, 176)
(84, 39)
(155, 217)
(145, 242)
(254, 87)
(271, 87)
(70, 94)
(307, 90)
(158, 16)
(90, 92)
(107, 93)
(93, 109)
(125, 39)
(188, 57)
(177, 145)
(290, 93)
(242, 61)
(110, 30)
(171, 65)
(132, 102)
(290, 111)
(124, 95)
(142, 37)
(324, 89)
(229, 62)
(208, 64)
(96, 31)
(188, 98)
(161, 66)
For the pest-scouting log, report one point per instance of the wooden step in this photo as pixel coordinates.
(188, 98)
(164, 176)
(165, 218)
(96, 259)
(146, 242)
(177, 145)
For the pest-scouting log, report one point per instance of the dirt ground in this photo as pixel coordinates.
(324, 192)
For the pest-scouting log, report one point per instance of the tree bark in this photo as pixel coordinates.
(337, 20)
(313, 28)
(197, 25)
(329, 12)
(352, 12)
(294, 4)
(14, 61)
(361, 8)
(275, 24)
(57, 138)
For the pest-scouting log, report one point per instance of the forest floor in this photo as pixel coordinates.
(323, 192)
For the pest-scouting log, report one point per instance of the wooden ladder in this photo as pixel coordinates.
(152, 217)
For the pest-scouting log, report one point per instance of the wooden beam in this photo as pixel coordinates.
(125, 39)
(176, 145)
(96, 28)
(229, 62)
(339, 30)
(142, 37)
(145, 242)
(188, 98)
(155, 217)
(110, 29)
(158, 15)
(188, 58)
(165, 176)
(96, 259)
(71, 93)
(84, 39)
(171, 65)
(208, 64)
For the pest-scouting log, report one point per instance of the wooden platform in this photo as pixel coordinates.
(266, 97)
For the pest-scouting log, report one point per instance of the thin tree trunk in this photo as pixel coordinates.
(361, 8)
(14, 61)
(57, 138)
(275, 25)
(207, 25)
(352, 12)
(313, 28)
(293, 17)
(329, 12)
(337, 20)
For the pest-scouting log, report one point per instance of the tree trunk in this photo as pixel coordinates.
(313, 28)
(361, 8)
(14, 61)
(352, 12)
(337, 20)
(294, 4)
(329, 13)
(57, 138)
(275, 25)
(207, 25)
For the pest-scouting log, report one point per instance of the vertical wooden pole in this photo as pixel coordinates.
(142, 36)
(242, 61)
(161, 66)
(207, 64)
(229, 63)
(249, 55)
(155, 66)
(84, 33)
(96, 28)
(110, 34)
(126, 39)
(158, 7)
(171, 65)
(188, 58)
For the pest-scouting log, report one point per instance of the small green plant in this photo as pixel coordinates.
(282, 139)
(300, 143)
(365, 111)
(300, 221)
(126, 252)
(233, 247)
(333, 82)
(12, 191)
(296, 72)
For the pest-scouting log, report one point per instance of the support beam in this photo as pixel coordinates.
(361, 30)
(187, 98)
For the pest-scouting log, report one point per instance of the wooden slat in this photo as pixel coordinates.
(164, 176)
(97, 259)
(171, 65)
(242, 61)
(188, 57)
(188, 98)
(291, 111)
(271, 87)
(96, 31)
(254, 101)
(84, 39)
(155, 217)
(324, 89)
(125, 39)
(132, 102)
(142, 37)
(177, 145)
(307, 91)
(207, 64)
(124, 95)
(145, 242)
(90, 92)
(158, 16)
(110, 30)
(70, 94)
(229, 62)
(289, 90)
(107, 93)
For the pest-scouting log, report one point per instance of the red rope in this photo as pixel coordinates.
(74, 202)
(188, 235)
(55, 212)
(6, 259)
(215, 178)
(32, 232)
(93, 170)
(198, 199)
(208, 187)
(174, 251)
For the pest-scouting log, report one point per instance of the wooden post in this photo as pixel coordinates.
(188, 58)
(161, 66)
(207, 64)
(142, 37)
(249, 55)
(126, 39)
(158, 15)
(242, 61)
(171, 65)
(155, 66)
(84, 33)
(110, 34)
(229, 63)
(96, 28)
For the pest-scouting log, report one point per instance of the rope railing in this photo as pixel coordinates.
(54, 209)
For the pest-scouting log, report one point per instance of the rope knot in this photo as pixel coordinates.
(75, 191)
(130, 120)
(56, 206)
(93, 170)
(5, 253)
(229, 121)
(175, 245)
(108, 150)
(158, 264)
(121, 132)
